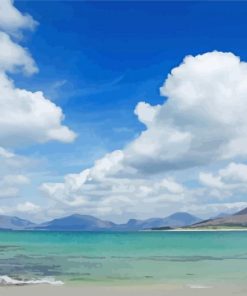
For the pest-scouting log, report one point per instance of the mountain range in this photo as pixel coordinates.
(178, 219)
(79, 222)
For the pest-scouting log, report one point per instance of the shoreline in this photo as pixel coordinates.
(197, 230)
(111, 290)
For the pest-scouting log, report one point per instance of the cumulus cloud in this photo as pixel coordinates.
(232, 174)
(6, 154)
(15, 180)
(13, 164)
(12, 20)
(107, 189)
(209, 210)
(27, 117)
(10, 185)
(28, 208)
(209, 180)
(8, 192)
(228, 183)
(202, 120)
(14, 57)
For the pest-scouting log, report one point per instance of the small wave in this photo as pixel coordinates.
(199, 287)
(8, 281)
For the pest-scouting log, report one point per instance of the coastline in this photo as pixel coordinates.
(218, 229)
(197, 230)
(111, 290)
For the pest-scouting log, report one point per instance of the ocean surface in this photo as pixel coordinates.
(192, 258)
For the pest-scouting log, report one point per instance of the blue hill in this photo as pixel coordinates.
(79, 222)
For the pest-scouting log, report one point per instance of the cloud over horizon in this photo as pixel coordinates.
(202, 121)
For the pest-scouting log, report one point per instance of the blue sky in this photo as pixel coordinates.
(97, 61)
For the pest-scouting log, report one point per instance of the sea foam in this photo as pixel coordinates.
(8, 281)
(199, 287)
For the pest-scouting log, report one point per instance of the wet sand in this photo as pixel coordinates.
(151, 290)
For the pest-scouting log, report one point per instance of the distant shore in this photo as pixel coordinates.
(195, 230)
(209, 229)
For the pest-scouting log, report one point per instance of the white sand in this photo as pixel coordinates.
(146, 290)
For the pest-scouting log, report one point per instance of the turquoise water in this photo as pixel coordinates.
(143, 257)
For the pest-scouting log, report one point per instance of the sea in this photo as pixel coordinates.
(75, 258)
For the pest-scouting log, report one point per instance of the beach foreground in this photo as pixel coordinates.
(154, 290)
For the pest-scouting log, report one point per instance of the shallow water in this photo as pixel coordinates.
(189, 258)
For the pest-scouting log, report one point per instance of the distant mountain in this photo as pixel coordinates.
(14, 223)
(179, 219)
(238, 219)
(76, 223)
(89, 223)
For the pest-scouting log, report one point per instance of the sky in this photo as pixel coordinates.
(122, 109)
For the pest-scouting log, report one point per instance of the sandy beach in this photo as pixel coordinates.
(154, 290)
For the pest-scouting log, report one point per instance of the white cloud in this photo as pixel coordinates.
(14, 57)
(208, 179)
(203, 120)
(146, 113)
(10, 185)
(227, 184)
(209, 210)
(8, 192)
(12, 20)
(28, 208)
(106, 189)
(15, 180)
(234, 172)
(27, 117)
(172, 186)
(14, 164)
(5, 153)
